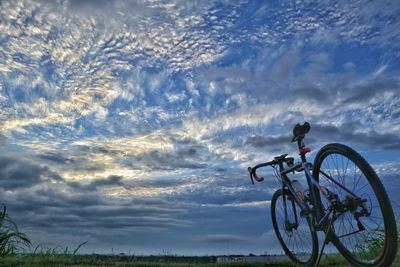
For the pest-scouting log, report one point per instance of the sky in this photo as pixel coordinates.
(131, 124)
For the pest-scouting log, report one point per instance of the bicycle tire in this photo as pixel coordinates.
(301, 257)
(377, 247)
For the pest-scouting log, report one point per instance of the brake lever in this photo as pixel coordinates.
(254, 176)
(251, 176)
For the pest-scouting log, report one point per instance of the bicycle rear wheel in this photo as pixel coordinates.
(365, 234)
(298, 240)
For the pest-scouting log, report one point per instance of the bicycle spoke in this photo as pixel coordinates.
(360, 227)
(298, 240)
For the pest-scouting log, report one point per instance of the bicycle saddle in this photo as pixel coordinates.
(300, 130)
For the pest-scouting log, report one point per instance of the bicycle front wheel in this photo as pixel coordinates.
(365, 232)
(293, 231)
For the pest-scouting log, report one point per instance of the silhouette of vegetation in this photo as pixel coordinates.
(11, 239)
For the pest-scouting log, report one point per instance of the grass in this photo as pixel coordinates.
(59, 257)
(45, 259)
(11, 239)
(95, 260)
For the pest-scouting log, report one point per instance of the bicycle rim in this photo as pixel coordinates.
(299, 243)
(368, 240)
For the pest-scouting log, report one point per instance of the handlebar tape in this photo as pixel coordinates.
(254, 176)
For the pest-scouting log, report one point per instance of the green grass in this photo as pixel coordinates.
(48, 259)
(57, 258)
(94, 260)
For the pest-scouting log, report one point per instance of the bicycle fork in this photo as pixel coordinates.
(288, 225)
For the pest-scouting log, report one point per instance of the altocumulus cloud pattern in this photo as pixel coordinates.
(130, 124)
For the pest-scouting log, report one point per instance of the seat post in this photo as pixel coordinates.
(300, 145)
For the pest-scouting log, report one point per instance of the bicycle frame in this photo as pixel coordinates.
(319, 219)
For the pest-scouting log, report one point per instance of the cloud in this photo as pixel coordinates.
(352, 132)
(3, 139)
(99, 65)
(224, 239)
(313, 93)
(181, 158)
(56, 158)
(16, 173)
(95, 184)
(111, 180)
(270, 143)
(78, 209)
(372, 90)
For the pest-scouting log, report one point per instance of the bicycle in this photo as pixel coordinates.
(344, 198)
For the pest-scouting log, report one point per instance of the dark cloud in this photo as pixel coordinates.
(93, 149)
(18, 173)
(112, 180)
(370, 89)
(49, 197)
(224, 239)
(78, 158)
(56, 207)
(352, 132)
(108, 217)
(56, 158)
(342, 91)
(269, 143)
(188, 157)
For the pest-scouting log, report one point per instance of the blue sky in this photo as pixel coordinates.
(130, 124)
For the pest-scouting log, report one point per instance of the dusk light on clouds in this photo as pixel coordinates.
(130, 124)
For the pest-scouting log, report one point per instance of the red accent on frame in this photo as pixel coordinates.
(304, 150)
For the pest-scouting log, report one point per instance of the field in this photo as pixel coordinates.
(48, 259)
(12, 242)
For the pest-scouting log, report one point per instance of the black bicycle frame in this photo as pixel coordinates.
(320, 218)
